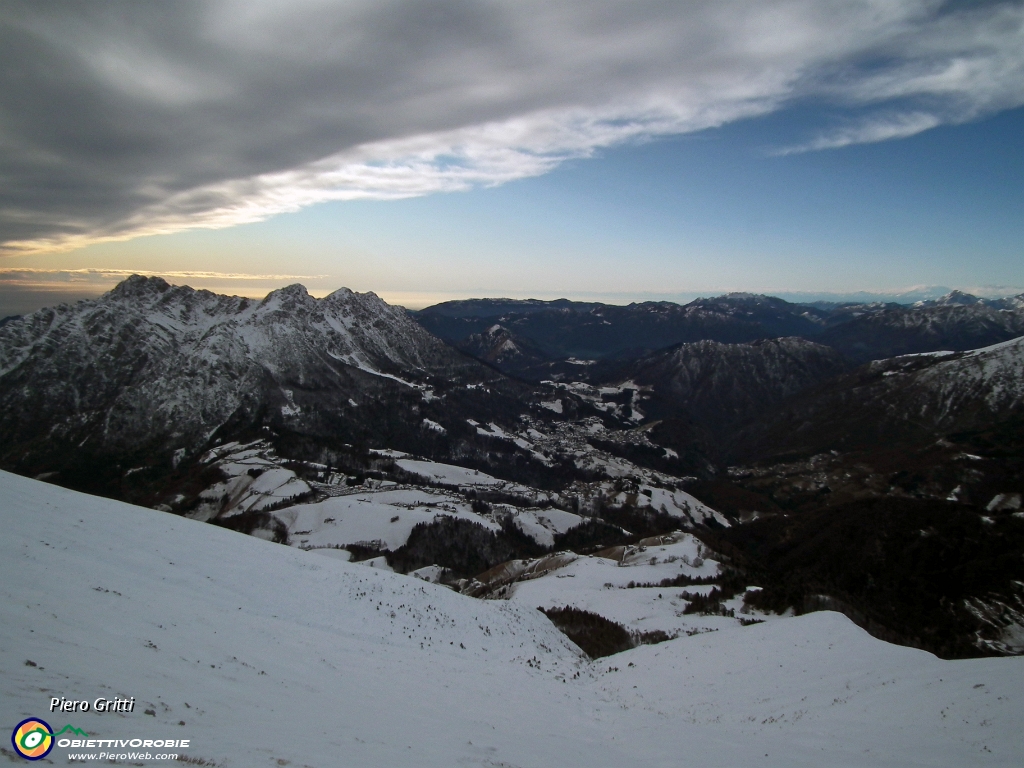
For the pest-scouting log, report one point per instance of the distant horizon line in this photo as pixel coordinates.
(23, 296)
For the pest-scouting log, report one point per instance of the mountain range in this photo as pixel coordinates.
(772, 432)
(150, 371)
(861, 332)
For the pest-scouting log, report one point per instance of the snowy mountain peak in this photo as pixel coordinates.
(342, 295)
(153, 364)
(958, 297)
(743, 296)
(138, 285)
(953, 298)
(288, 296)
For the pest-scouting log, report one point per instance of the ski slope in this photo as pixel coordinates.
(272, 656)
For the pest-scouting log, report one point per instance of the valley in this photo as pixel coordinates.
(795, 477)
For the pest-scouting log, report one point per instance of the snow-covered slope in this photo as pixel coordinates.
(992, 377)
(948, 389)
(967, 299)
(262, 655)
(908, 398)
(953, 322)
(358, 329)
(381, 513)
(623, 584)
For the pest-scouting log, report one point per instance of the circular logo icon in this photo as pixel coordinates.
(32, 738)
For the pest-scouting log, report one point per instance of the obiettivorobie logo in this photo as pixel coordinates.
(34, 738)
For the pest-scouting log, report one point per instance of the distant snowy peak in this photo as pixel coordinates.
(953, 297)
(960, 298)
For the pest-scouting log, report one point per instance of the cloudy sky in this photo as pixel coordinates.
(430, 149)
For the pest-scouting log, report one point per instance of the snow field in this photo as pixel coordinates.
(242, 491)
(385, 517)
(542, 525)
(672, 502)
(447, 473)
(284, 655)
(818, 684)
(600, 585)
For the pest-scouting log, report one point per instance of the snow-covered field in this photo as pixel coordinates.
(672, 502)
(254, 480)
(385, 517)
(602, 585)
(264, 655)
(448, 473)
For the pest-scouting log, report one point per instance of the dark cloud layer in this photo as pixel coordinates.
(127, 118)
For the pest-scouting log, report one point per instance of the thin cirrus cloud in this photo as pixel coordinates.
(123, 119)
(866, 131)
